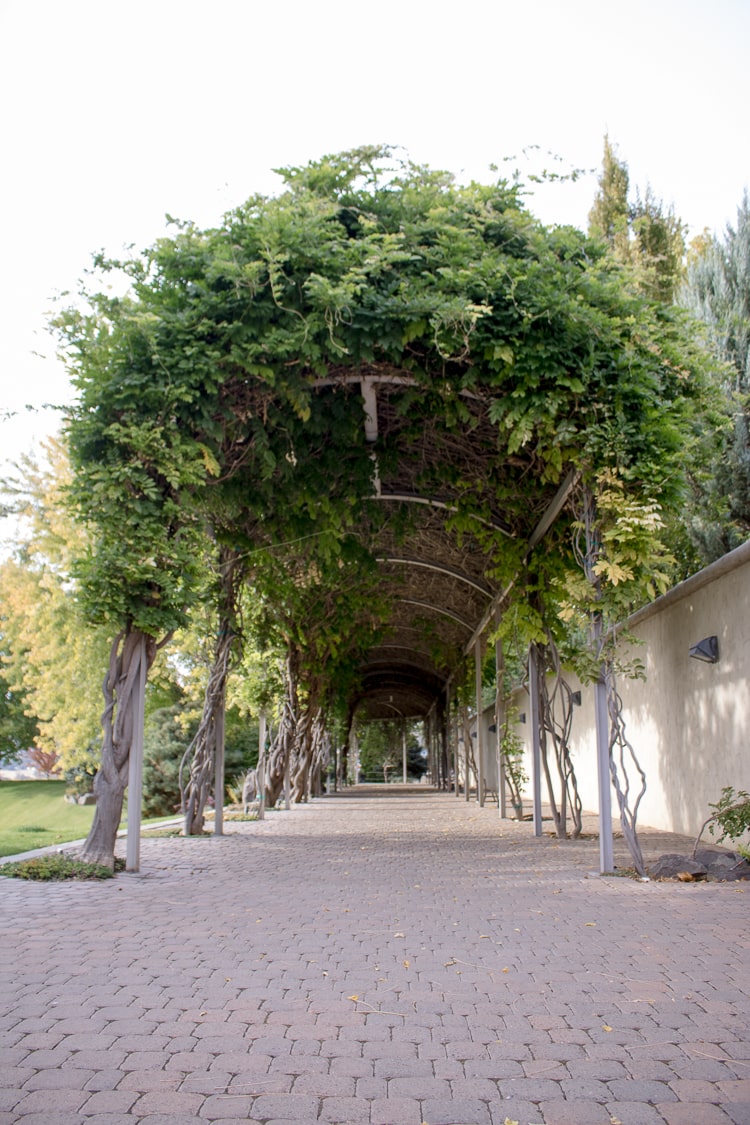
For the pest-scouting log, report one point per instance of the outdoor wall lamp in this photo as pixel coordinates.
(706, 650)
(575, 698)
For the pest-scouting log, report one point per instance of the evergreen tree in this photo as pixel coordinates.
(643, 234)
(608, 218)
(717, 291)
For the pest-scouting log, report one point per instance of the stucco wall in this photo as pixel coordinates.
(689, 722)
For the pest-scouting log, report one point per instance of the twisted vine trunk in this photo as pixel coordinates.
(201, 753)
(320, 755)
(195, 793)
(556, 724)
(119, 719)
(280, 752)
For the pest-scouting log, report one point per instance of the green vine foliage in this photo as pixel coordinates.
(731, 814)
(201, 407)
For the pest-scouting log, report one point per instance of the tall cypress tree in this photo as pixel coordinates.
(609, 215)
(644, 234)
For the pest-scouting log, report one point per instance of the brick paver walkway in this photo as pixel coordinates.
(384, 960)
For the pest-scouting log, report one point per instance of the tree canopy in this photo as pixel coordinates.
(222, 395)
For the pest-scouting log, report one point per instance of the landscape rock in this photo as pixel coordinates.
(708, 864)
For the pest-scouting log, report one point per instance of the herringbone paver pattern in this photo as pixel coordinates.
(383, 960)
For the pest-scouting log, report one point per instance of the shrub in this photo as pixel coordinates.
(48, 868)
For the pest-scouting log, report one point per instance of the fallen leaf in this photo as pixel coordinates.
(353, 997)
(590, 923)
(506, 969)
(399, 935)
(406, 964)
(606, 1027)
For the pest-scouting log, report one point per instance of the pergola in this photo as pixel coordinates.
(441, 579)
(414, 365)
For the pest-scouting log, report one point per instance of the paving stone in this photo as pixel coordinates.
(10, 1096)
(68, 1079)
(459, 1109)
(51, 1102)
(574, 1112)
(645, 1091)
(636, 1113)
(417, 1086)
(735, 1090)
(198, 1012)
(684, 1113)
(110, 1101)
(515, 1110)
(395, 1111)
(737, 1112)
(290, 1107)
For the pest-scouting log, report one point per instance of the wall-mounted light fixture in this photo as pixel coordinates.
(575, 698)
(522, 717)
(706, 650)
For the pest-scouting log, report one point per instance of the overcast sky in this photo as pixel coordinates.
(114, 114)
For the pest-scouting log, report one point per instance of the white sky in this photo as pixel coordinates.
(114, 114)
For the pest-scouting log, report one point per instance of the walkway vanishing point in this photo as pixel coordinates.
(389, 960)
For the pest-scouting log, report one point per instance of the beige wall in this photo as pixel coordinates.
(689, 722)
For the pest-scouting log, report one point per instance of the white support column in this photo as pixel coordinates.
(466, 734)
(502, 799)
(536, 746)
(135, 767)
(403, 749)
(219, 769)
(262, 766)
(456, 756)
(601, 717)
(480, 739)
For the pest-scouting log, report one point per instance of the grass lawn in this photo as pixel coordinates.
(34, 814)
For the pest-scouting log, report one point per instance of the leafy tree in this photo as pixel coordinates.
(53, 659)
(46, 761)
(717, 291)
(381, 751)
(18, 728)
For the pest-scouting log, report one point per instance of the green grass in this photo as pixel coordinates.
(34, 814)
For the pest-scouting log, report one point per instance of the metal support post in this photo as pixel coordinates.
(536, 745)
(219, 769)
(135, 767)
(502, 800)
(480, 740)
(601, 715)
(261, 778)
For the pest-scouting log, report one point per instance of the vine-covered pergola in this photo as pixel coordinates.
(402, 413)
